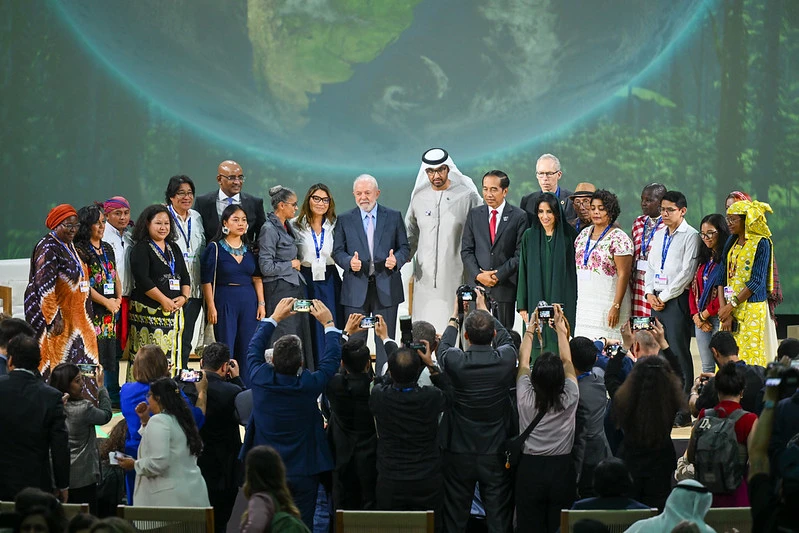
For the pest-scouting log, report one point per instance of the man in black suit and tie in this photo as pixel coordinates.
(371, 245)
(490, 248)
(547, 170)
(33, 431)
(210, 206)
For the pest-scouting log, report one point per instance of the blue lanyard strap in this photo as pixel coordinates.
(583, 375)
(104, 263)
(666, 245)
(646, 242)
(318, 246)
(186, 237)
(72, 253)
(168, 260)
(708, 266)
(587, 253)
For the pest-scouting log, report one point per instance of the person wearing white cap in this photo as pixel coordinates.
(440, 201)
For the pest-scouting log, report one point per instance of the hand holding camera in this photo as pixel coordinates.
(353, 324)
(381, 328)
(283, 309)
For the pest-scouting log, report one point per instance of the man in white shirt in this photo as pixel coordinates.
(118, 235)
(671, 265)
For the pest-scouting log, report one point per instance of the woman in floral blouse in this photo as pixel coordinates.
(105, 291)
(604, 256)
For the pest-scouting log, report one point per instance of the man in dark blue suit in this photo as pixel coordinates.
(371, 246)
(285, 413)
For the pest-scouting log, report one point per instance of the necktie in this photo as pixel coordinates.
(492, 225)
(229, 200)
(370, 239)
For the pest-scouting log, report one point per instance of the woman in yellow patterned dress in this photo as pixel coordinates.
(748, 277)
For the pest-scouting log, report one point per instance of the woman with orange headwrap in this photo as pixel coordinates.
(747, 279)
(57, 303)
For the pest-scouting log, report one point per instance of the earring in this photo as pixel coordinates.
(225, 230)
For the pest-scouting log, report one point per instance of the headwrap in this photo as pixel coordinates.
(115, 202)
(434, 158)
(739, 196)
(58, 214)
(755, 213)
(689, 500)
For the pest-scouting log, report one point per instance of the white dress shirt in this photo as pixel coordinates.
(121, 242)
(222, 203)
(680, 264)
(306, 246)
(499, 211)
(193, 250)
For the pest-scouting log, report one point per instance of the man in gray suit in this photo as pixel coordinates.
(371, 245)
(492, 238)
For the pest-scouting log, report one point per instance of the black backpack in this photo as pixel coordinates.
(719, 460)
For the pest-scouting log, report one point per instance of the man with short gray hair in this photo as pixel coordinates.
(548, 173)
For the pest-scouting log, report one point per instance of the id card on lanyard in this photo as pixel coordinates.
(187, 255)
(645, 244)
(83, 283)
(661, 279)
(318, 266)
(584, 273)
(169, 259)
(108, 286)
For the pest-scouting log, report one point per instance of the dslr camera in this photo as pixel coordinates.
(406, 334)
(545, 311)
(465, 293)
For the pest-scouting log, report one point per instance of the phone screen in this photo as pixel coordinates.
(773, 382)
(368, 322)
(302, 306)
(188, 375)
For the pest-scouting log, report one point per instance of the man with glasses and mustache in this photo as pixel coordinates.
(210, 206)
(547, 170)
(440, 202)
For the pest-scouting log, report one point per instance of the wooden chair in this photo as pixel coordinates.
(6, 507)
(70, 509)
(169, 519)
(727, 518)
(5, 295)
(616, 521)
(385, 521)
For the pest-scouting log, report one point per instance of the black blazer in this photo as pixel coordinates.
(252, 205)
(350, 237)
(565, 202)
(503, 256)
(218, 461)
(33, 432)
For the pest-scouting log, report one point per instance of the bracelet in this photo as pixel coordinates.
(261, 304)
(768, 404)
(330, 322)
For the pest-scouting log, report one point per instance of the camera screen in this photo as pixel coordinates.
(87, 369)
(190, 376)
(467, 296)
(545, 312)
(302, 306)
(368, 322)
(640, 322)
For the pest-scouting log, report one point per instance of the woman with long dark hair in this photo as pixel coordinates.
(167, 474)
(266, 489)
(105, 290)
(644, 408)
(233, 291)
(703, 294)
(545, 479)
(82, 417)
(161, 285)
(313, 234)
(546, 268)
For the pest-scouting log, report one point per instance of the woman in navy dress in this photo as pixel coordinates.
(233, 292)
(313, 233)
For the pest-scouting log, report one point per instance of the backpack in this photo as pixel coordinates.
(284, 522)
(719, 460)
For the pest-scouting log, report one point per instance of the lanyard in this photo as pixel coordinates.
(587, 253)
(646, 242)
(104, 263)
(577, 226)
(318, 246)
(708, 266)
(186, 238)
(169, 260)
(666, 245)
(72, 254)
(583, 375)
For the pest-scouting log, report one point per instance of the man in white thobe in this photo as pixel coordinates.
(440, 202)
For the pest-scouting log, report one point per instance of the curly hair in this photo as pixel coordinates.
(167, 394)
(647, 402)
(610, 201)
(88, 216)
(141, 232)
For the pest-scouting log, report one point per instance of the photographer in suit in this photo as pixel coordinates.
(480, 419)
(492, 237)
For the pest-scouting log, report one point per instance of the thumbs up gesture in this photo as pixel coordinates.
(391, 261)
(355, 263)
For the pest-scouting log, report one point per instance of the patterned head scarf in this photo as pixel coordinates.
(58, 214)
(755, 213)
(115, 202)
(739, 196)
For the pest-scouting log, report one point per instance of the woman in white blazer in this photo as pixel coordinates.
(167, 474)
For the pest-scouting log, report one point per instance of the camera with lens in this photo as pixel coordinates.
(406, 335)
(545, 311)
(465, 293)
(787, 378)
(702, 382)
(613, 350)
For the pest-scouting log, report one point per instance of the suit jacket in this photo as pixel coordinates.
(285, 414)
(481, 416)
(219, 461)
(350, 237)
(33, 433)
(477, 252)
(528, 202)
(3, 366)
(590, 443)
(252, 205)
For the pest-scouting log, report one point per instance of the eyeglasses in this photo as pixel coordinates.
(185, 194)
(320, 200)
(433, 171)
(709, 235)
(234, 178)
(292, 204)
(71, 227)
(582, 201)
(547, 174)
(668, 210)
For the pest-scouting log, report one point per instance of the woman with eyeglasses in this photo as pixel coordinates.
(191, 241)
(57, 304)
(105, 291)
(746, 278)
(313, 233)
(703, 295)
(232, 288)
(150, 365)
(280, 268)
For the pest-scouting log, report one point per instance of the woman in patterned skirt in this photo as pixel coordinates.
(57, 302)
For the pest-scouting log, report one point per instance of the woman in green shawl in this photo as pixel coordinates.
(547, 271)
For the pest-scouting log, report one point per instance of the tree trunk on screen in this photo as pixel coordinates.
(770, 128)
(730, 136)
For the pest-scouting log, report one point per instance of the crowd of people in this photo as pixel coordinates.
(491, 429)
